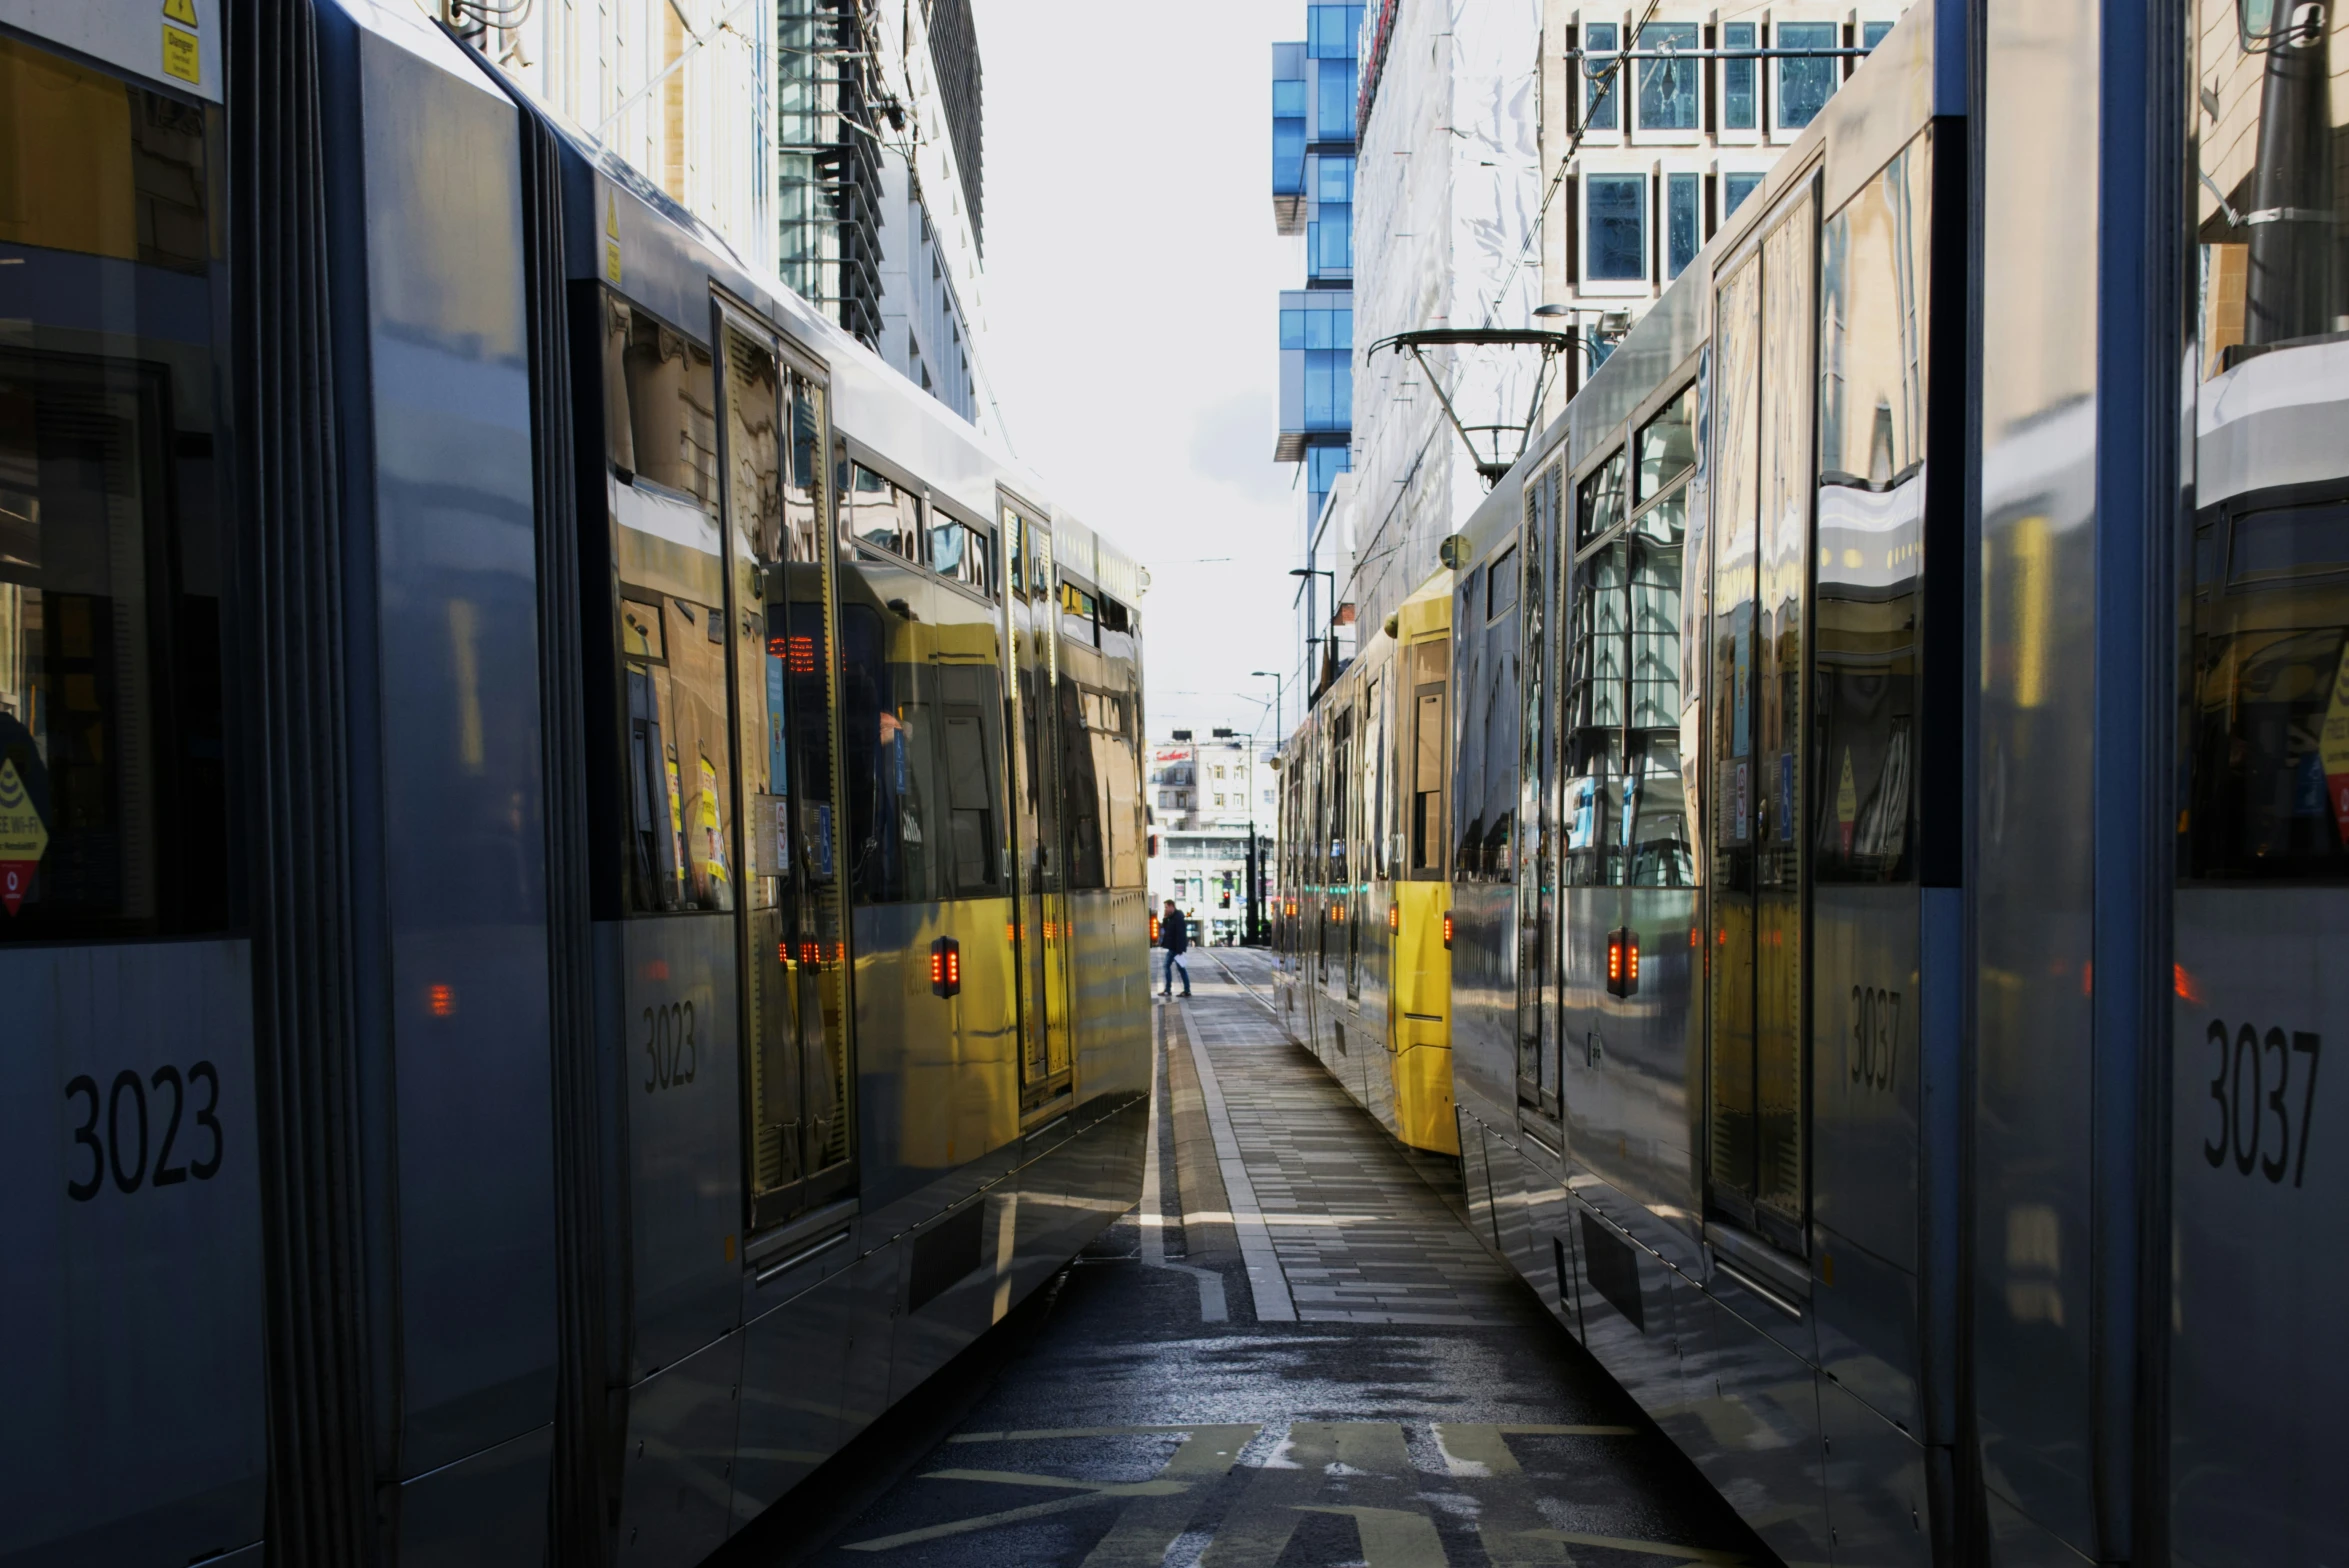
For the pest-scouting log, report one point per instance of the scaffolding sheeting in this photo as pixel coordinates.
(1447, 188)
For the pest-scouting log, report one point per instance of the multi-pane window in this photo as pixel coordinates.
(1623, 815)
(1668, 87)
(1329, 236)
(1873, 33)
(1740, 102)
(1602, 85)
(1617, 229)
(1683, 221)
(1805, 83)
(1330, 34)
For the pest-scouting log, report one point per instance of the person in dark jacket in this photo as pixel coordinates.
(1174, 935)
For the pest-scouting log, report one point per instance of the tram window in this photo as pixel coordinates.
(114, 818)
(679, 777)
(970, 735)
(661, 422)
(1599, 501)
(1870, 550)
(1500, 751)
(1596, 649)
(886, 710)
(958, 552)
(2269, 707)
(1667, 446)
(1083, 775)
(882, 515)
(1424, 831)
(1077, 611)
(1500, 591)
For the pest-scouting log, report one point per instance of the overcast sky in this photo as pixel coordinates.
(1131, 275)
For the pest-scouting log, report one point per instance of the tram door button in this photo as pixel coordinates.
(946, 967)
(1623, 962)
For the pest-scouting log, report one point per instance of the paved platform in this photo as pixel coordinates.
(1293, 1354)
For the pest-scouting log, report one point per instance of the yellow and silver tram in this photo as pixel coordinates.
(1363, 923)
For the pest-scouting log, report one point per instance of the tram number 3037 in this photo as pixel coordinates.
(2244, 1066)
(1875, 1035)
(118, 1130)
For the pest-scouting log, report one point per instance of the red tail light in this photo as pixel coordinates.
(1622, 962)
(946, 967)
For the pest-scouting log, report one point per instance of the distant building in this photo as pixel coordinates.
(1202, 799)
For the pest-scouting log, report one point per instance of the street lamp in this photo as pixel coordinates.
(1275, 678)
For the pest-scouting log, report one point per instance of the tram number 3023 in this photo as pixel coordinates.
(671, 1049)
(117, 1129)
(2242, 1067)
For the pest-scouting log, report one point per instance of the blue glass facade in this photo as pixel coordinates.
(1315, 85)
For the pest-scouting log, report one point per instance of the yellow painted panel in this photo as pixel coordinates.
(1422, 1022)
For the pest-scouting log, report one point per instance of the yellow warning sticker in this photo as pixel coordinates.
(181, 11)
(180, 57)
(612, 261)
(2332, 746)
(24, 837)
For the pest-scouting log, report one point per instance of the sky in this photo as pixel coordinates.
(1130, 309)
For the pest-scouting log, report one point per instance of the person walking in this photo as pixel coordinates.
(1174, 936)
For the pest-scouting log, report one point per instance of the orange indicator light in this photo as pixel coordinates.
(1447, 930)
(1394, 917)
(442, 1000)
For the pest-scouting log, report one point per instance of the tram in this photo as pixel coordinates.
(572, 919)
(1896, 788)
(1363, 975)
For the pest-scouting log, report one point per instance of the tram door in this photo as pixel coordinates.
(1765, 317)
(1537, 872)
(1040, 933)
(792, 925)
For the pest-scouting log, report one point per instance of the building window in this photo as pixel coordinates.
(1600, 41)
(1288, 136)
(1872, 33)
(1683, 198)
(1738, 109)
(1668, 88)
(1735, 188)
(1617, 242)
(1804, 85)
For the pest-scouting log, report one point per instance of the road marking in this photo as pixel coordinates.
(1266, 1283)
(1477, 1448)
(1058, 1505)
(1393, 1537)
(1213, 1308)
(1616, 1543)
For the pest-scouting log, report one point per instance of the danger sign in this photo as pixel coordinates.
(23, 838)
